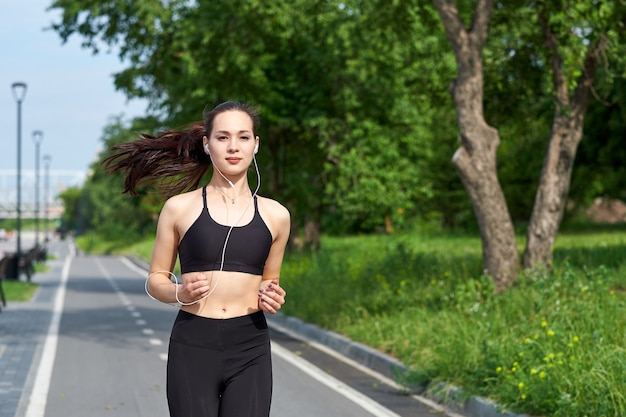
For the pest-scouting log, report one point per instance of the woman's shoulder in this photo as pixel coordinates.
(273, 207)
(182, 201)
(275, 211)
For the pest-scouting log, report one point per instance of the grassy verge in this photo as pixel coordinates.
(554, 345)
(18, 290)
(92, 243)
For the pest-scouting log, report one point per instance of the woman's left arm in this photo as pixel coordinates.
(271, 294)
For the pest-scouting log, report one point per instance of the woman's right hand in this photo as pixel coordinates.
(193, 288)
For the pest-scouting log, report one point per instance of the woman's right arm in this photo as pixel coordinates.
(163, 260)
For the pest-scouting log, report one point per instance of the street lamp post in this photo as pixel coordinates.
(46, 161)
(37, 138)
(19, 93)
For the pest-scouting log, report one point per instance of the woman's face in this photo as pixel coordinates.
(232, 142)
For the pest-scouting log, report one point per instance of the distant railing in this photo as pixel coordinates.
(43, 193)
(28, 212)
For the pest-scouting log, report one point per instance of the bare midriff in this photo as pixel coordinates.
(233, 294)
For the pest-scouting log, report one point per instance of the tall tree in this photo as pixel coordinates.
(475, 160)
(576, 39)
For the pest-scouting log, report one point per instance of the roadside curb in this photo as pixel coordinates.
(359, 353)
(443, 394)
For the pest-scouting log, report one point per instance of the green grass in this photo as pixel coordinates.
(553, 345)
(23, 291)
(18, 290)
(92, 243)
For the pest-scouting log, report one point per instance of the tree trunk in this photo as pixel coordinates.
(388, 224)
(475, 160)
(500, 256)
(567, 131)
(551, 196)
(312, 234)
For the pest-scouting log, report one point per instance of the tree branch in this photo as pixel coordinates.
(556, 62)
(452, 23)
(585, 81)
(480, 23)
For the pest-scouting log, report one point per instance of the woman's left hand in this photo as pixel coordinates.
(271, 297)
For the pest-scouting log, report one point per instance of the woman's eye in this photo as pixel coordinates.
(244, 138)
(222, 138)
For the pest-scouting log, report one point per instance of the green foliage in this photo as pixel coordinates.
(73, 210)
(100, 207)
(552, 345)
(600, 170)
(329, 77)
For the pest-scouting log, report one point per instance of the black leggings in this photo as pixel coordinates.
(219, 367)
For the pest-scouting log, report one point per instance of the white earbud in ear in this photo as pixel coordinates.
(256, 148)
(206, 148)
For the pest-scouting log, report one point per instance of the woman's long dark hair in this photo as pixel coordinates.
(173, 161)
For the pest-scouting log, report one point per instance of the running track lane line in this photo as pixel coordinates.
(39, 396)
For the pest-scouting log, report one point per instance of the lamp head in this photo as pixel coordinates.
(19, 91)
(37, 136)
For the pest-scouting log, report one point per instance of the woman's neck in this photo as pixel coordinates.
(231, 191)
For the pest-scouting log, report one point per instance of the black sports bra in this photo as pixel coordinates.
(246, 251)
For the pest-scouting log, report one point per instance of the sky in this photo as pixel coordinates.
(70, 93)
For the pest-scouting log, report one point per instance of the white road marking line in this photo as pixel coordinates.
(142, 272)
(333, 383)
(39, 396)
